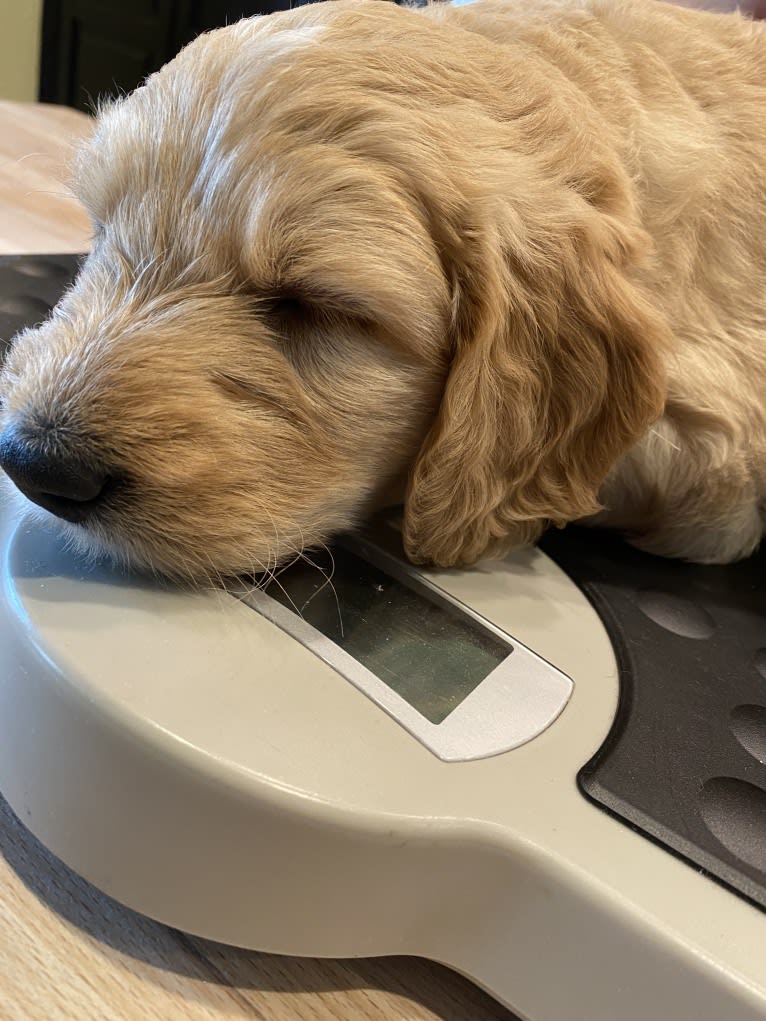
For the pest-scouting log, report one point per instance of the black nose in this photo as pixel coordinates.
(57, 480)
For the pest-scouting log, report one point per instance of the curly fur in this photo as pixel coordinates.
(503, 262)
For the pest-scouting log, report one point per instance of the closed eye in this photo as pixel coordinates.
(289, 314)
(283, 307)
(248, 391)
(313, 328)
(294, 311)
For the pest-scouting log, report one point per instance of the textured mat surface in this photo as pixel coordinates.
(685, 762)
(29, 286)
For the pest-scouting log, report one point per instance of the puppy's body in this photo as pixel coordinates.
(682, 102)
(512, 259)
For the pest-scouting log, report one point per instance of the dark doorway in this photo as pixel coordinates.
(97, 47)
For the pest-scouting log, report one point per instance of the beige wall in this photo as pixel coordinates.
(19, 48)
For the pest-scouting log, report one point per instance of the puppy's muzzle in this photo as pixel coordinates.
(52, 476)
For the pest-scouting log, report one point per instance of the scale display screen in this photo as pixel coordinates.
(428, 651)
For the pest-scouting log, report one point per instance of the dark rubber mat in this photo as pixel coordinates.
(30, 285)
(685, 762)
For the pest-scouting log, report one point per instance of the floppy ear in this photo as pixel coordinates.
(556, 371)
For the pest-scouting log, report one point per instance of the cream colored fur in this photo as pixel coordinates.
(506, 262)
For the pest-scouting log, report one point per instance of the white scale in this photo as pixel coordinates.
(224, 766)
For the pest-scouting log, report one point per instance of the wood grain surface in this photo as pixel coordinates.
(36, 212)
(67, 953)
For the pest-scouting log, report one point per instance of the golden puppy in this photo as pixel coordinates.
(504, 261)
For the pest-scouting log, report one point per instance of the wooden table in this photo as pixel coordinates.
(67, 953)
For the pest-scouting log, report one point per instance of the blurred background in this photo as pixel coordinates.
(72, 51)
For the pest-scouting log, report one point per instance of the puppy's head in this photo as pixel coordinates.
(310, 280)
(252, 351)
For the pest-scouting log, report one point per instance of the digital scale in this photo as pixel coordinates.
(547, 772)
